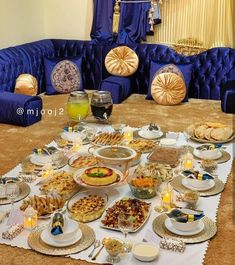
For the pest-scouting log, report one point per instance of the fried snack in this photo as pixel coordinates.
(142, 146)
(160, 172)
(62, 183)
(88, 208)
(43, 204)
(134, 207)
(210, 131)
(108, 139)
(84, 161)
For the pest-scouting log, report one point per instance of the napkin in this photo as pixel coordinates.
(18, 109)
(183, 217)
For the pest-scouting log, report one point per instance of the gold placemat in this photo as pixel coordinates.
(35, 242)
(176, 183)
(212, 141)
(224, 158)
(207, 233)
(24, 192)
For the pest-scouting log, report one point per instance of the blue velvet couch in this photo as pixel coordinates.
(211, 69)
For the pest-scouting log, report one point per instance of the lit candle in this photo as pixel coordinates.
(77, 143)
(48, 170)
(167, 195)
(188, 161)
(128, 134)
(30, 218)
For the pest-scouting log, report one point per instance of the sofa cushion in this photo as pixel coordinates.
(182, 70)
(18, 109)
(63, 75)
(119, 87)
(168, 89)
(228, 97)
(26, 84)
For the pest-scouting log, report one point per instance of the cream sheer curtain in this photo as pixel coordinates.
(211, 22)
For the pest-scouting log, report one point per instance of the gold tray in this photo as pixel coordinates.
(24, 192)
(208, 232)
(212, 141)
(35, 242)
(176, 183)
(224, 158)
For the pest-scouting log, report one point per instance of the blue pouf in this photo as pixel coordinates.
(119, 87)
(228, 97)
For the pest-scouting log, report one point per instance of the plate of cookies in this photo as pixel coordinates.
(106, 138)
(142, 145)
(211, 132)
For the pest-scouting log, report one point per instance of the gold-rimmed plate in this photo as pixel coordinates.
(207, 233)
(176, 183)
(211, 141)
(24, 192)
(36, 243)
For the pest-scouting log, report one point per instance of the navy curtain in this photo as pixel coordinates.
(134, 22)
(133, 26)
(102, 21)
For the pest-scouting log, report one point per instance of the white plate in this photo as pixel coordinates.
(71, 136)
(197, 154)
(35, 159)
(169, 226)
(46, 238)
(117, 229)
(211, 183)
(81, 183)
(158, 135)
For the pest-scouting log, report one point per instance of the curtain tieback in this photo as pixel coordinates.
(116, 17)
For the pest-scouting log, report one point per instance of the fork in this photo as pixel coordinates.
(95, 246)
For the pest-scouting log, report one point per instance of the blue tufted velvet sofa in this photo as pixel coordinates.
(211, 69)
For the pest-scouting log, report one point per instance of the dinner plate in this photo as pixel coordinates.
(197, 154)
(81, 183)
(46, 238)
(37, 159)
(72, 136)
(211, 183)
(37, 163)
(141, 134)
(169, 226)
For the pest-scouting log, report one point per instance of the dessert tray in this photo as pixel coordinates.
(82, 160)
(106, 138)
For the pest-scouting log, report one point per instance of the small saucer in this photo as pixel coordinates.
(169, 226)
(197, 154)
(211, 185)
(142, 134)
(46, 238)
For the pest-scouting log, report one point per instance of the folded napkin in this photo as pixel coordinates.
(57, 224)
(18, 109)
(182, 217)
(196, 175)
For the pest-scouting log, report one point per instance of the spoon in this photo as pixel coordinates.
(98, 252)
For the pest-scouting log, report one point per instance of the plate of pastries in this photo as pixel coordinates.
(43, 204)
(211, 132)
(98, 176)
(107, 138)
(87, 206)
(143, 146)
(138, 209)
(61, 183)
(82, 160)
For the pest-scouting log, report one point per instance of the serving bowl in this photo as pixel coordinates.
(208, 151)
(146, 251)
(119, 157)
(197, 183)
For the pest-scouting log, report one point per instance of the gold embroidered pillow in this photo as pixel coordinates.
(26, 84)
(168, 89)
(121, 61)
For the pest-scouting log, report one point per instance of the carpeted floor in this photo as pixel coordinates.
(16, 143)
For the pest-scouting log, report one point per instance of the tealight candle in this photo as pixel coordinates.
(48, 170)
(77, 143)
(128, 133)
(30, 218)
(167, 196)
(188, 161)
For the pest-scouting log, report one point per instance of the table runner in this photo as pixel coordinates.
(193, 252)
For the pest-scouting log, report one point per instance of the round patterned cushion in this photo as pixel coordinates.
(121, 61)
(65, 77)
(26, 84)
(168, 89)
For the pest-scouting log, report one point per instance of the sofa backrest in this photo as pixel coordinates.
(211, 69)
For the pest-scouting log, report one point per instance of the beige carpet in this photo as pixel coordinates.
(16, 143)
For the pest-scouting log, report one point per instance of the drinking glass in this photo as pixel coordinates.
(57, 158)
(125, 224)
(101, 105)
(12, 192)
(78, 106)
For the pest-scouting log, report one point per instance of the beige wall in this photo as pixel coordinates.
(69, 19)
(21, 21)
(24, 21)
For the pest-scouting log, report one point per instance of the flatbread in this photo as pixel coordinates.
(221, 134)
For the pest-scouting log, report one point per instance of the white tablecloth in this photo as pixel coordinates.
(194, 254)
